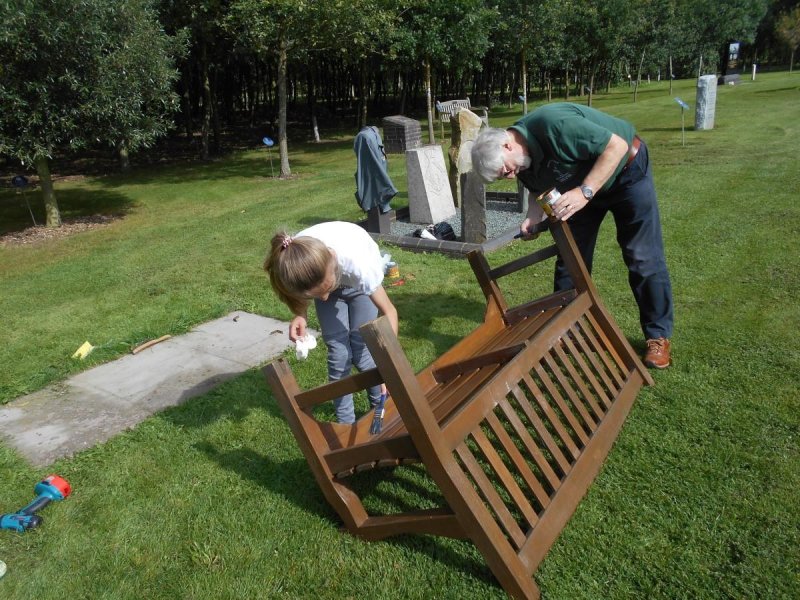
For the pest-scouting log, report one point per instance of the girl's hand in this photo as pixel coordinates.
(381, 299)
(297, 328)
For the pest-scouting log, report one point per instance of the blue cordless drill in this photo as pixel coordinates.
(50, 489)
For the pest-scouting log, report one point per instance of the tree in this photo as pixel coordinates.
(788, 29)
(443, 35)
(356, 30)
(75, 74)
(202, 22)
(274, 28)
(708, 27)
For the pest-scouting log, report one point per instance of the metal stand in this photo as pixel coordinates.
(683, 106)
(20, 182)
(269, 143)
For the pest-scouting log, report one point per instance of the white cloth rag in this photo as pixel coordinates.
(304, 344)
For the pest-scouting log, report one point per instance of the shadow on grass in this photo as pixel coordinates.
(233, 399)
(292, 479)
(423, 327)
(16, 208)
(643, 130)
(790, 88)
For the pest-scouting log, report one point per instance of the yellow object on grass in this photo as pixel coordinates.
(83, 351)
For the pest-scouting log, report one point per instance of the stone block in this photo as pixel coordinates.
(430, 199)
(400, 134)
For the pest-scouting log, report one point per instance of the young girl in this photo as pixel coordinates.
(339, 266)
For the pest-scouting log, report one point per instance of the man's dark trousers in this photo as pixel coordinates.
(632, 201)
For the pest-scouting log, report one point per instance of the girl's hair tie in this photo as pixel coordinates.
(286, 241)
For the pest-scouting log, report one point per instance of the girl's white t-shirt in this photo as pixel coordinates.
(358, 255)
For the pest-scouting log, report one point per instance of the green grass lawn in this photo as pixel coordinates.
(698, 498)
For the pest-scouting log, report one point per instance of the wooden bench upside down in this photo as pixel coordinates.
(512, 423)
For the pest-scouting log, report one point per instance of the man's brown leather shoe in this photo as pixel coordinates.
(657, 355)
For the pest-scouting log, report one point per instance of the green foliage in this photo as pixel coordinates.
(708, 27)
(451, 33)
(78, 73)
(788, 28)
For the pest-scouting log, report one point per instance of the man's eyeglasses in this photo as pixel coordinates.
(506, 173)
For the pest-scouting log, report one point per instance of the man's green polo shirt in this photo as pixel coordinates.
(564, 141)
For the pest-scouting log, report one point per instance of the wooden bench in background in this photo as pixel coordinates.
(512, 423)
(448, 108)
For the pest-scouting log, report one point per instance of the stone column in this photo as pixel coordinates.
(473, 209)
(522, 198)
(706, 102)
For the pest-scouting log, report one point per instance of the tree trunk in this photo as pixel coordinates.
(283, 143)
(216, 127)
(122, 152)
(312, 103)
(49, 196)
(206, 126)
(638, 77)
(591, 85)
(670, 74)
(428, 100)
(402, 85)
(187, 105)
(566, 84)
(362, 92)
(524, 84)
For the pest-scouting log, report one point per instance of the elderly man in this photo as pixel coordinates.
(599, 165)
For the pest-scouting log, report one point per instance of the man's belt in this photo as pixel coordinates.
(632, 150)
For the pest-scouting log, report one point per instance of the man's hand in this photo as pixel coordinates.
(569, 203)
(535, 216)
(573, 200)
(297, 328)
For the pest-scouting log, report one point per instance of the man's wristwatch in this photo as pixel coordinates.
(587, 192)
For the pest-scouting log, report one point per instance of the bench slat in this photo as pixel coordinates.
(490, 495)
(521, 503)
(524, 470)
(334, 389)
(494, 357)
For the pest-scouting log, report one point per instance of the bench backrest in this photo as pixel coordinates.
(516, 457)
(448, 108)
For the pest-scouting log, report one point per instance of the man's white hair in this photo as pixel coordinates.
(487, 153)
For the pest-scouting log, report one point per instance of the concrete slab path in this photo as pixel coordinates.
(95, 405)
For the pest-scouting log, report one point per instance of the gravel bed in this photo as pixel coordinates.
(500, 217)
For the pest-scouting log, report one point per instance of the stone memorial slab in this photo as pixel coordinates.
(731, 69)
(464, 125)
(706, 102)
(430, 199)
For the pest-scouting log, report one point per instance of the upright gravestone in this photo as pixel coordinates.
(473, 207)
(731, 69)
(465, 126)
(706, 102)
(430, 199)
